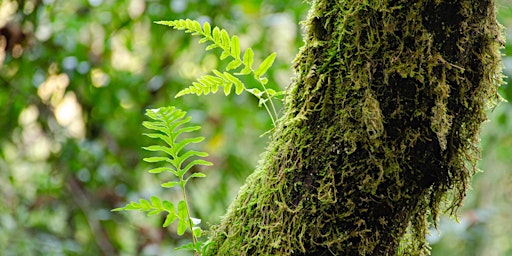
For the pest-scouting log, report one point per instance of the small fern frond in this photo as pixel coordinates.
(168, 123)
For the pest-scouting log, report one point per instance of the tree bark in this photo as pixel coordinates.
(380, 129)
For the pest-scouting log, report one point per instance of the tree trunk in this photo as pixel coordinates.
(380, 129)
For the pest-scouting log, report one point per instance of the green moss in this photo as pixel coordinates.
(380, 129)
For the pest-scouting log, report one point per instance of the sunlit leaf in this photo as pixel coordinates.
(235, 47)
(226, 42)
(154, 212)
(170, 184)
(198, 232)
(169, 219)
(155, 159)
(216, 35)
(224, 55)
(233, 64)
(156, 202)
(159, 148)
(207, 28)
(265, 65)
(168, 206)
(227, 89)
(248, 60)
(145, 204)
(183, 217)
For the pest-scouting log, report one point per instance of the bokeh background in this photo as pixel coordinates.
(75, 80)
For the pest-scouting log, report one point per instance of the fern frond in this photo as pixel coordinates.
(168, 123)
(230, 46)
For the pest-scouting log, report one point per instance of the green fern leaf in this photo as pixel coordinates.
(182, 158)
(224, 55)
(207, 29)
(144, 204)
(156, 202)
(248, 60)
(159, 170)
(216, 36)
(187, 129)
(170, 184)
(159, 136)
(235, 47)
(171, 217)
(239, 86)
(154, 212)
(179, 146)
(155, 126)
(265, 65)
(194, 163)
(183, 92)
(183, 217)
(155, 159)
(256, 92)
(211, 46)
(233, 64)
(225, 40)
(195, 175)
(227, 89)
(166, 23)
(159, 148)
(197, 27)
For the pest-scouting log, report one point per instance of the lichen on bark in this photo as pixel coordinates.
(379, 133)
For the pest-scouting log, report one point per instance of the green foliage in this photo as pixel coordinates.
(230, 45)
(57, 187)
(167, 125)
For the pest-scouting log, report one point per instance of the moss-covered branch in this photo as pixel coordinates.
(380, 130)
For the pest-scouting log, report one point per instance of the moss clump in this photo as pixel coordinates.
(380, 128)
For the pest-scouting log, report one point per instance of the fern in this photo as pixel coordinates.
(167, 125)
(230, 46)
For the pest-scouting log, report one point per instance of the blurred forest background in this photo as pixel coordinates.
(75, 80)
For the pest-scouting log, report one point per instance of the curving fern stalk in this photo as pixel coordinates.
(230, 46)
(167, 125)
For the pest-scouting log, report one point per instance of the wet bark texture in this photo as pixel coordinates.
(380, 127)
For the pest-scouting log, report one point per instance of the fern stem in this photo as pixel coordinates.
(270, 114)
(189, 221)
(275, 116)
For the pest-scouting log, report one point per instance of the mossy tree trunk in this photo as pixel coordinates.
(380, 129)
